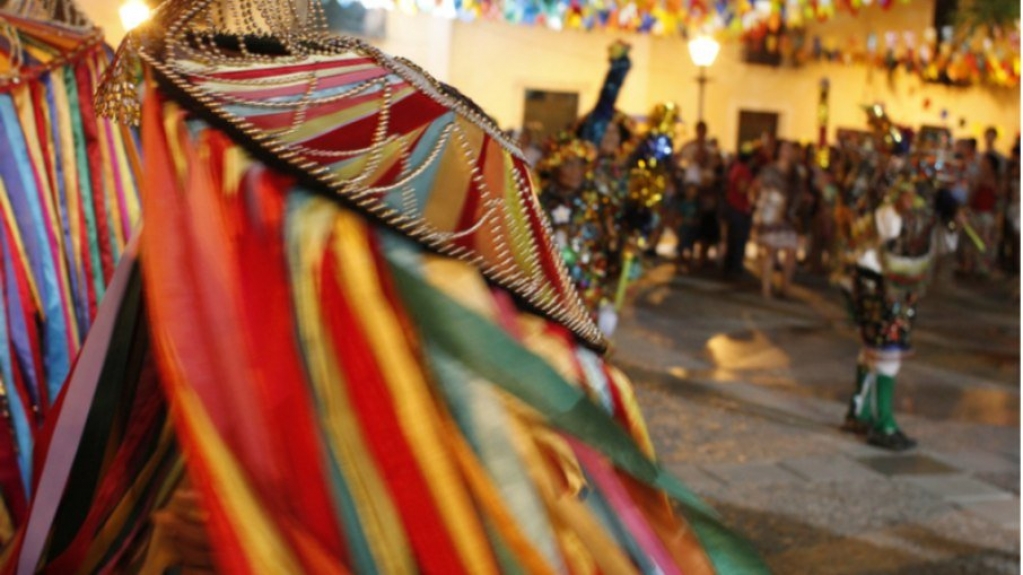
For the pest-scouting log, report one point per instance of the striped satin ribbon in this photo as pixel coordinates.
(68, 204)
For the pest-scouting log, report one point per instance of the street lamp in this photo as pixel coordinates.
(703, 50)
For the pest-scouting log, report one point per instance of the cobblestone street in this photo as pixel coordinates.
(744, 397)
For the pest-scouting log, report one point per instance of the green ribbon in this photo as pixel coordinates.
(85, 191)
(623, 279)
(516, 370)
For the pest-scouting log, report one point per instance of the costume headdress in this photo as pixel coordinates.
(656, 149)
(604, 114)
(890, 137)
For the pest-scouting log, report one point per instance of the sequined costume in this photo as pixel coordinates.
(894, 259)
(650, 179)
(886, 298)
(611, 131)
(581, 221)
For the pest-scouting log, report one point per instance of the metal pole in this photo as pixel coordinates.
(702, 81)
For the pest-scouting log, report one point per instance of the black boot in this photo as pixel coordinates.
(894, 441)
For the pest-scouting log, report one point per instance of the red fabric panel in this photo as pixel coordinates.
(161, 253)
(435, 551)
(406, 115)
(471, 206)
(90, 131)
(276, 71)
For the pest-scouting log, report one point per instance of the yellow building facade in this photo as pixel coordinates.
(496, 63)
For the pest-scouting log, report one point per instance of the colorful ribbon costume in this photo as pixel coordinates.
(373, 358)
(68, 204)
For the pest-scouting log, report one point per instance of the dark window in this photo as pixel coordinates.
(548, 112)
(753, 124)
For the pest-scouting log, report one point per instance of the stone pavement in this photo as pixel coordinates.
(743, 398)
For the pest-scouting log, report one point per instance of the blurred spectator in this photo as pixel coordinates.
(822, 224)
(688, 214)
(765, 152)
(530, 145)
(738, 213)
(1010, 235)
(702, 164)
(700, 159)
(689, 151)
(777, 209)
(807, 203)
(971, 162)
(982, 203)
(990, 137)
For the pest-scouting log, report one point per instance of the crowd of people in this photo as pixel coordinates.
(793, 196)
(791, 200)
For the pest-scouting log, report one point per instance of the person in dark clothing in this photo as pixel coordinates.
(738, 213)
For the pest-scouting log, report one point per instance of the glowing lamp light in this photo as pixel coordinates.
(133, 13)
(703, 50)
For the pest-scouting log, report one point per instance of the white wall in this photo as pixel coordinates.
(423, 39)
(495, 63)
(104, 14)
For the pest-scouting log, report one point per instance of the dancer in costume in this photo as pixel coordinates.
(651, 184)
(640, 217)
(582, 217)
(374, 358)
(892, 251)
(893, 263)
(610, 130)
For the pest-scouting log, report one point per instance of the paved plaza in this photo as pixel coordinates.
(744, 397)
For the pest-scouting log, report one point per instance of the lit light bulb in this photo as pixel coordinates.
(133, 13)
(703, 50)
